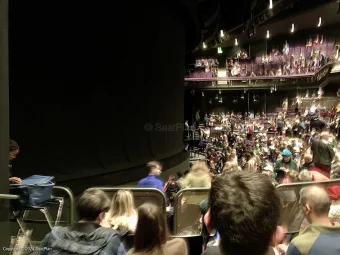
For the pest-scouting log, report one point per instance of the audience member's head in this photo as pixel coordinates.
(231, 167)
(199, 167)
(93, 205)
(315, 203)
(324, 136)
(13, 150)
(286, 155)
(308, 158)
(155, 168)
(151, 232)
(245, 215)
(305, 176)
(122, 207)
(293, 176)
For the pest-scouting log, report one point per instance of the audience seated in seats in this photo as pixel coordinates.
(122, 214)
(323, 153)
(198, 177)
(321, 236)
(309, 165)
(244, 215)
(153, 180)
(87, 236)
(13, 153)
(309, 176)
(284, 165)
(335, 167)
(151, 236)
(334, 195)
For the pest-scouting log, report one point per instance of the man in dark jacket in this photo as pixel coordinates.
(323, 152)
(86, 236)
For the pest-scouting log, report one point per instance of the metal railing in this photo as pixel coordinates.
(8, 196)
(291, 215)
(141, 195)
(187, 211)
(71, 202)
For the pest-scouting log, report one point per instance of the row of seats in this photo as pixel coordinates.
(187, 211)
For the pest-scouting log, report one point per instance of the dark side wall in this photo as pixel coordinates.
(78, 106)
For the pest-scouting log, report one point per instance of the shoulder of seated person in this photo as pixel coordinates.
(176, 241)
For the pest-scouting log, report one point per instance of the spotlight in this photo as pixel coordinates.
(204, 45)
(216, 97)
(222, 34)
(219, 92)
(236, 42)
(320, 20)
(219, 50)
(210, 101)
(270, 4)
(268, 34)
(202, 93)
(242, 96)
(275, 87)
(293, 28)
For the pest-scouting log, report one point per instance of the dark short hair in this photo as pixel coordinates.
(13, 146)
(92, 203)
(151, 231)
(245, 210)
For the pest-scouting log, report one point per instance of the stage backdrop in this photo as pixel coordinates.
(96, 88)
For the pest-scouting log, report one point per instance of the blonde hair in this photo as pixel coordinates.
(231, 167)
(293, 176)
(199, 167)
(122, 207)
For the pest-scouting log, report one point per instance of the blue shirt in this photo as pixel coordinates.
(151, 181)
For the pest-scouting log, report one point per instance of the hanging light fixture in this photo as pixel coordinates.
(202, 93)
(268, 34)
(219, 92)
(222, 34)
(320, 21)
(236, 42)
(216, 97)
(293, 28)
(210, 101)
(204, 45)
(270, 4)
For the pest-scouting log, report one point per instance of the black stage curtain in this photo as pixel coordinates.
(85, 81)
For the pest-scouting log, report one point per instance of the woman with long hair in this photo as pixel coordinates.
(198, 177)
(151, 235)
(122, 214)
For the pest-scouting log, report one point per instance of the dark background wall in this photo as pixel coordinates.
(78, 106)
(4, 225)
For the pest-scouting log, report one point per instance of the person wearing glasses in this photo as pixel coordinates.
(13, 153)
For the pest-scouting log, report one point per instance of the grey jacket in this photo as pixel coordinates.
(83, 238)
